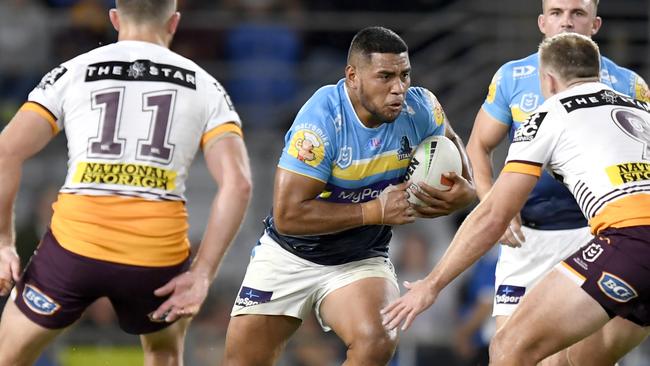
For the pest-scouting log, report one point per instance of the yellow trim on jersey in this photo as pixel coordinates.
(518, 115)
(523, 168)
(632, 210)
(123, 230)
(573, 271)
(43, 112)
(365, 168)
(220, 130)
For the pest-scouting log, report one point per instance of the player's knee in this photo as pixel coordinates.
(506, 348)
(374, 346)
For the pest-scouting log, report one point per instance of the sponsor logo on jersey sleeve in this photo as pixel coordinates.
(641, 90)
(509, 295)
(615, 288)
(38, 301)
(307, 146)
(250, 296)
(52, 77)
(492, 89)
(133, 175)
(528, 130)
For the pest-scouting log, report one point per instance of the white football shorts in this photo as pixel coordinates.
(519, 269)
(278, 282)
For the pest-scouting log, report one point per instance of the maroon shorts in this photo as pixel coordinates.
(615, 266)
(58, 285)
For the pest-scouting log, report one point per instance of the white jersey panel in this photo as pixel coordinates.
(134, 114)
(592, 138)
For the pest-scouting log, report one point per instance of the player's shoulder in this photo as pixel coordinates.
(325, 101)
(520, 68)
(612, 68)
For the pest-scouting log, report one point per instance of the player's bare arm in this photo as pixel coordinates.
(25, 135)
(227, 161)
(475, 237)
(462, 192)
(486, 135)
(297, 211)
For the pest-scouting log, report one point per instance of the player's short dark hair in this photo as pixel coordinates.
(571, 55)
(376, 40)
(146, 11)
(595, 2)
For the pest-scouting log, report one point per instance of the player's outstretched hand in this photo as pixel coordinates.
(513, 236)
(440, 203)
(404, 310)
(9, 269)
(188, 291)
(397, 210)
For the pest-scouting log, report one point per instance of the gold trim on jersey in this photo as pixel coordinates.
(220, 130)
(123, 230)
(523, 168)
(43, 112)
(518, 115)
(360, 169)
(631, 210)
(134, 175)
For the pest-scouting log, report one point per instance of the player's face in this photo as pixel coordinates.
(577, 16)
(380, 85)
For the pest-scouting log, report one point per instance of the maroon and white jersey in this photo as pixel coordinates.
(134, 114)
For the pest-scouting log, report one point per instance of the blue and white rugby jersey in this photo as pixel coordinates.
(328, 142)
(513, 95)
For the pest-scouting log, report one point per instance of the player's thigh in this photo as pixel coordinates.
(609, 344)
(21, 340)
(168, 339)
(254, 339)
(133, 312)
(554, 315)
(353, 311)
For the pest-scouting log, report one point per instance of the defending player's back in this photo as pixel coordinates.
(133, 126)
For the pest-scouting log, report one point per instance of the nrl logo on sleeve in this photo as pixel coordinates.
(528, 130)
(52, 77)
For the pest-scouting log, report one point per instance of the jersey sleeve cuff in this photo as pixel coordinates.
(220, 130)
(43, 112)
(523, 167)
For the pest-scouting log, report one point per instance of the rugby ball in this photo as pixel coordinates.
(433, 157)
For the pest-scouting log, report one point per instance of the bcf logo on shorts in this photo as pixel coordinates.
(38, 301)
(615, 288)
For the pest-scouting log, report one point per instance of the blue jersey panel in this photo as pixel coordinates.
(513, 95)
(328, 142)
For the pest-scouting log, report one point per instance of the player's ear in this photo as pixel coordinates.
(598, 21)
(172, 23)
(541, 23)
(115, 19)
(351, 76)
